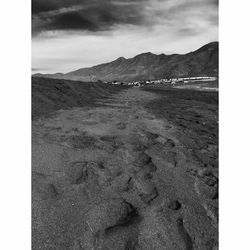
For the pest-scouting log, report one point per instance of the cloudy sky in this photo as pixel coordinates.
(72, 34)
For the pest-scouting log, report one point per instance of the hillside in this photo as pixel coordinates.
(203, 61)
(49, 95)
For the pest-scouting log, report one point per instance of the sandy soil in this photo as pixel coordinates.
(117, 177)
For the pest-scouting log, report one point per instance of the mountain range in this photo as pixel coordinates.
(149, 66)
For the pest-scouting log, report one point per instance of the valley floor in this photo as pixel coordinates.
(119, 176)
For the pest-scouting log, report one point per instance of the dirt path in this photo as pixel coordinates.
(118, 178)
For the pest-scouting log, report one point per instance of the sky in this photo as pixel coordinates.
(72, 34)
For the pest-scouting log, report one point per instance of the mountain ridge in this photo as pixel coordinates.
(149, 66)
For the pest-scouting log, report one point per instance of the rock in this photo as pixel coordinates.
(148, 137)
(161, 151)
(167, 142)
(145, 189)
(148, 198)
(174, 205)
(75, 172)
(121, 183)
(207, 191)
(149, 169)
(102, 174)
(151, 136)
(162, 158)
(142, 159)
(109, 214)
(170, 143)
(208, 177)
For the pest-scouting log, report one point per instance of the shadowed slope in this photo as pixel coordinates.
(50, 95)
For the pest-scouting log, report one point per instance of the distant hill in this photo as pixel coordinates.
(202, 62)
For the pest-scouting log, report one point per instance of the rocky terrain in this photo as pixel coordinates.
(130, 169)
(202, 62)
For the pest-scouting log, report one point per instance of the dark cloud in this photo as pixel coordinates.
(72, 20)
(105, 15)
(84, 15)
(39, 6)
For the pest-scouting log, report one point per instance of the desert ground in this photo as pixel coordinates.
(137, 169)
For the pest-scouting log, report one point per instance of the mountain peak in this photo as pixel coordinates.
(121, 58)
(212, 45)
(145, 54)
